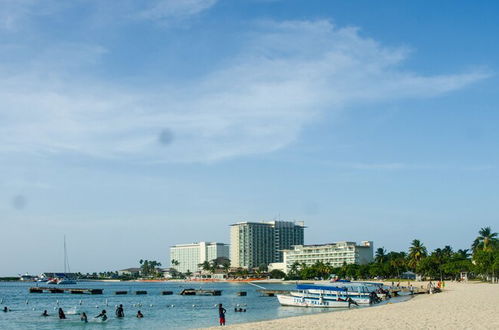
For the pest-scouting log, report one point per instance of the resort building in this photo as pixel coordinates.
(189, 256)
(255, 244)
(335, 254)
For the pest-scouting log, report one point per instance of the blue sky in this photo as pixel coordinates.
(132, 127)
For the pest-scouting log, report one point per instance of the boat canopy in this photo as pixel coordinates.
(319, 287)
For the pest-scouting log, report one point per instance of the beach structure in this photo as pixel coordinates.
(133, 271)
(335, 254)
(189, 256)
(254, 244)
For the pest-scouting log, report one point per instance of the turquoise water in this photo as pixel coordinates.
(186, 312)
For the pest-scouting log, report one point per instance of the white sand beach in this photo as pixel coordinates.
(459, 306)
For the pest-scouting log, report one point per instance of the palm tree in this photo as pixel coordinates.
(417, 251)
(380, 256)
(463, 254)
(205, 265)
(447, 251)
(485, 239)
(175, 262)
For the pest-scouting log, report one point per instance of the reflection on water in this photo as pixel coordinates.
(170, 311)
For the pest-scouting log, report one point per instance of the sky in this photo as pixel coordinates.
(135, 126)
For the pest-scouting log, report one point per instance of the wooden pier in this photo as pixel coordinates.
(62, 290)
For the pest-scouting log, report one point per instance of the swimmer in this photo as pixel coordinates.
(62, 316)
(102, 315)
(120, 313)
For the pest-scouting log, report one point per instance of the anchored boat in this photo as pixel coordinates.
(316, 296)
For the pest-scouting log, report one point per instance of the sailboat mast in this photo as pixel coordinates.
(65, 255)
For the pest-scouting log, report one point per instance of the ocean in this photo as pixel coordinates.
(160, 311)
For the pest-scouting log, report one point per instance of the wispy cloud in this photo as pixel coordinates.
(287, 75)
(175, 9)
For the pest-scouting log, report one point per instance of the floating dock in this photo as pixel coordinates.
(272, 293)
(62, 290)
(199, 292)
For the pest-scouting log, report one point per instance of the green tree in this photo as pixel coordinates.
(276, 273)
(380, 255)
(485, 239)
(417, 252)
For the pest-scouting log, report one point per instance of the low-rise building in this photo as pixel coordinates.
(334, 254)
(189, 256)
(129, 272)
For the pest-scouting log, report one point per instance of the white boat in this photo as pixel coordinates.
(65, 281)
(316, 296)
(311, 301)
(360, 294)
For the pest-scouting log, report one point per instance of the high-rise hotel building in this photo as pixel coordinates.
(253, 244)
(189, 256)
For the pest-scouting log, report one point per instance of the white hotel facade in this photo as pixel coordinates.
(336, 254)
(191, 255)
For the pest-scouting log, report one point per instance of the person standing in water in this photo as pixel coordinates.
(84, 317)
(120, 313)
(140, 315)
(45, 313)
(221, 314)
(5, 309)
(102, 315)
(62, 316)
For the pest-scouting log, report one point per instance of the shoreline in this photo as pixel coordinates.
(470, 305)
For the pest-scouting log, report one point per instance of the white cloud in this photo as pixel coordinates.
(168, 9)
(288, 75)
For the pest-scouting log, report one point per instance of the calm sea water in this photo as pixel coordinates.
(160, 312)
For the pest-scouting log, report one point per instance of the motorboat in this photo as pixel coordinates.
(316, 296)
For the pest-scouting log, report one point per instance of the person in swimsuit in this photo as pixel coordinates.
(221, 314)
(62, 316)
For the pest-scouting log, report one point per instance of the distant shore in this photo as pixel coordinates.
(472, 305)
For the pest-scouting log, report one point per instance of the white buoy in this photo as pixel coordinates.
(150, 305)
(33, 308)
(96, 306)
(173, 305)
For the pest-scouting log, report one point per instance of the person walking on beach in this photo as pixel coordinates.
(120, 313)
(62, 316)
(221, 314)
(84, 317)
(102, 315)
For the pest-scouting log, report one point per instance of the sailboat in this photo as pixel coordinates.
(64, 279)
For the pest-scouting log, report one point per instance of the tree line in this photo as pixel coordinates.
(480, 261)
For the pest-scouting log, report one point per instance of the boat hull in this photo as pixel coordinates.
(361, 298)
(314, 302)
